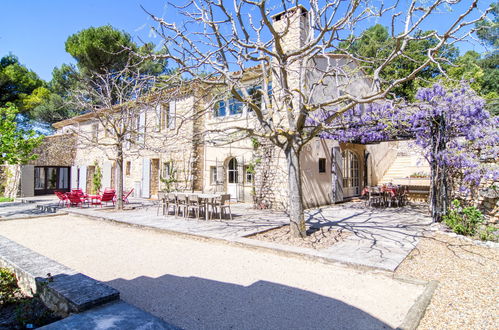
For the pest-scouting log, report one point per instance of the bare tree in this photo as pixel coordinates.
(291, 52)
(116, 103)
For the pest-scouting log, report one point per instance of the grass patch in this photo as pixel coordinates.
(6, 199)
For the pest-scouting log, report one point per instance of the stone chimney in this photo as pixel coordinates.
(294, 24)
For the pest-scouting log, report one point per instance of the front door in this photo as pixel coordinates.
(232, 179)
(351, 177)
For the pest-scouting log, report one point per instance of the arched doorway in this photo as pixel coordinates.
(232, 179)
(351, 174)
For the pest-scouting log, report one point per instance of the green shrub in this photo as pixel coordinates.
(488, 233)
(8, 287)
(463, 220)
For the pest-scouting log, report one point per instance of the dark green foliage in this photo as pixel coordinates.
(104, 49)
(375, 44)
(463, 220)
(8, 287)
(17, 83)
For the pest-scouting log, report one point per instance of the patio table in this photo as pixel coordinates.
(206, 198)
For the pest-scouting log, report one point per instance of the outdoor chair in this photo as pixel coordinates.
(374, 196)
(221, 203)
(196, 204)
(107, 197)
(403, 198)
(63, 199)
(182, 201)
(170, 200)
(78, 192)
(75, 200)
(126, 195)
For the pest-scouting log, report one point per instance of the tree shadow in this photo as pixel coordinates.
(198, 303)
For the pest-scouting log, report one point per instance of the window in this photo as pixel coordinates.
(235, 106)
(350, 169)
(213, 175)
(128, 168)
(322, 165)
(232, 172)
(249, 174)
(95, 132)
(270, 93)
(220, 109)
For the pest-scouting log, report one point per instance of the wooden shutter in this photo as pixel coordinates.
(337, 175)
(83, 178)
(146, 177)
(141, 127)
(172, 114)
(106, 175)
(74, 177)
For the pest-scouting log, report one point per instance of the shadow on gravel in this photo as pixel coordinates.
(198, 303)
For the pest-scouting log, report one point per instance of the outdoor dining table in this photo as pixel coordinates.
(206, 198)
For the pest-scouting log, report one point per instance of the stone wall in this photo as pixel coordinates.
(487, 200)
(56, 150)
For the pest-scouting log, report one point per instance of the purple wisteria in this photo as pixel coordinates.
(459, 137)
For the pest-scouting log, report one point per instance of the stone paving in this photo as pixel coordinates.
(381, 238)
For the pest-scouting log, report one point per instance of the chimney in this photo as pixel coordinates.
(293, 24)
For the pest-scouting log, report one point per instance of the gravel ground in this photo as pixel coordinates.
(317, 239)
(197, 284)
(468, 275)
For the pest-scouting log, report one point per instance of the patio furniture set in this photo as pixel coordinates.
(76, 197)
(386, 195)
(198, 204)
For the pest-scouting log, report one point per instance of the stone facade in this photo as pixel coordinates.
(56, 150)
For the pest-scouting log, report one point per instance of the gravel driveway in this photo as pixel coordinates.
(198, 284)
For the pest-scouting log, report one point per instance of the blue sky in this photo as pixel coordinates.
(35, 31)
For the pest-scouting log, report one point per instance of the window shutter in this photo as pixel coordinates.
(172, 114)
(220, 174)
(141, 127)
(158, 110)
(337, 171)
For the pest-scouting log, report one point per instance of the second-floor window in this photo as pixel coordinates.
(232, 106)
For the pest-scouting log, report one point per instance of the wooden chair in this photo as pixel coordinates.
(221, 204)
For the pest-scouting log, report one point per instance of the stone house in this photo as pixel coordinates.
(170, 140)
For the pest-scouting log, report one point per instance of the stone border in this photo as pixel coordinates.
(62, 289)
(417, 311)
(72, 295)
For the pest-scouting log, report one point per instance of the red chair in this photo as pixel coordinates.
(106, 198)
(126, 195)
(75, 199)
(63, 199)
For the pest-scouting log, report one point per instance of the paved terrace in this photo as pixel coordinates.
(381, 238)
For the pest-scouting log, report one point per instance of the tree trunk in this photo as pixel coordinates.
(439, 182)
(296, 217)
(119, 179)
